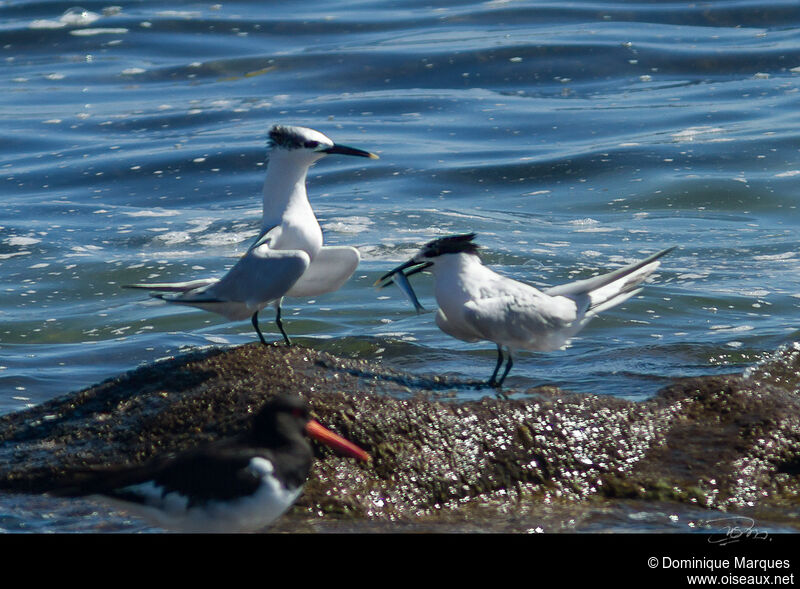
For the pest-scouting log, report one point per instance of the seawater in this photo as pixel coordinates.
(572, 137)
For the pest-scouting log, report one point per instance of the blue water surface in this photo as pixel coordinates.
(572, 137)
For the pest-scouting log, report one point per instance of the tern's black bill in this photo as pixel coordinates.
(344, 150)
(412, 267)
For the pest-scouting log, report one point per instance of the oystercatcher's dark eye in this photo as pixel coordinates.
(311, 144)
(297, 412)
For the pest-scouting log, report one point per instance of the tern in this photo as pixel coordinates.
(235, 485)
(288, 258)
(476, 303)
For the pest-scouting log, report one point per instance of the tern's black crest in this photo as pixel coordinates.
(453, 244)
(290, 138)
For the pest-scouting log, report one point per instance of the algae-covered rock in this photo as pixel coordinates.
(727, 443)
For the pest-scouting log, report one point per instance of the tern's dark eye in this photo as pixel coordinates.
(311, 144)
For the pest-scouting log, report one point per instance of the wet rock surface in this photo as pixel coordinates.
(712, 445)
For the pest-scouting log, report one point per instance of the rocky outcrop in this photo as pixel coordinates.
(729, 443)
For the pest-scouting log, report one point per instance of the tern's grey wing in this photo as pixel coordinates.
(174, 286)
(590, 285)
(329, 270)
(536, 323)
(267, 236)
(260, 276)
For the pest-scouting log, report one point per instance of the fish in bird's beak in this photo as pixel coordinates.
(344, 150)
(400, 277)
(315, 430)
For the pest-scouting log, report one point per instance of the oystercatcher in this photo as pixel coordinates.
(235, 485)
(476, 303)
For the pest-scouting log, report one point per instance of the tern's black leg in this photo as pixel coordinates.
(492, 382)
(258, 331)
(505, 372)
(280, 324)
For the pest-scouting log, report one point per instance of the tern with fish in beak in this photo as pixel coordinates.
(476, 303)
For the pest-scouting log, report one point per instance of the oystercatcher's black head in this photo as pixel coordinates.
(281, 418)
(284, 419)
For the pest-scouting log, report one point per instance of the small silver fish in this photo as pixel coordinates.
(402, 282)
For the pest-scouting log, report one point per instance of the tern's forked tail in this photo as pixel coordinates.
(611, 289)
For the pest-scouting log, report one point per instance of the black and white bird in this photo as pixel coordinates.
(476, 303)
(288, 258)
(236, 485)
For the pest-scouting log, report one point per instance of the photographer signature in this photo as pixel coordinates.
(735, 529)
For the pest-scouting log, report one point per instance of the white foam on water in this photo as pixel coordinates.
(22, 240)
(351, 225)
(74, 17)
(91, 32)
(151, 213)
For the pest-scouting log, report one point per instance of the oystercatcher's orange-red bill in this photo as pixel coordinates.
(337, 442)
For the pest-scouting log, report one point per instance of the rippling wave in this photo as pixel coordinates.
(573, 137)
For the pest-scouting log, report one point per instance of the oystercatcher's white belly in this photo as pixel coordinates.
(244, 514)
